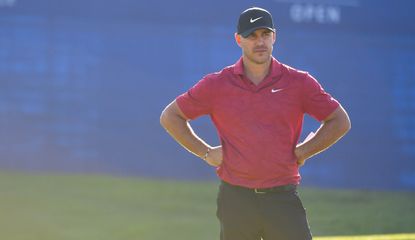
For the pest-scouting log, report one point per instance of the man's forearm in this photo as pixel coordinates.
(182, 132)
(325, 136)
(328, 134)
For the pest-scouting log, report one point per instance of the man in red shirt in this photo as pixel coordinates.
(257, 106)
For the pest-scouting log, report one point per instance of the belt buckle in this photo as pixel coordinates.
(258, 191)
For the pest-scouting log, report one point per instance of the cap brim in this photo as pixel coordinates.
(248, 32)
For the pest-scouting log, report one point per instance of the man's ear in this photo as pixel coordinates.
(238, 39)
(275, 37)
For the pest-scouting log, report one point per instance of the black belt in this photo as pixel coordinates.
(283, 188)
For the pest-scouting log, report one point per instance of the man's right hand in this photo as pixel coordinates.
(176, 124)
(215, 156)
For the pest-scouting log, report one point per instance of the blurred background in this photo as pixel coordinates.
(83, 83)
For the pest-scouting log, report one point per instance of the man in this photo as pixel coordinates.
(257, 106)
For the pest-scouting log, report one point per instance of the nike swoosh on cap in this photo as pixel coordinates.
(254, 20)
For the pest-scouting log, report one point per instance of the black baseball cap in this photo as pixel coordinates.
(252, 19)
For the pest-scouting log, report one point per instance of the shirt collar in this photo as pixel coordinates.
(275, 67)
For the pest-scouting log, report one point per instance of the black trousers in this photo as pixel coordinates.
(247, 215)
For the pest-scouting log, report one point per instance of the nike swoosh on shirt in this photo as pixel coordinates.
(276, 90)
(254, 20)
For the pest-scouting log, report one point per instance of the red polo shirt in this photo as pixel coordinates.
(259, 126)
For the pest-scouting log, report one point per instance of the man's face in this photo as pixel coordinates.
(257, 47)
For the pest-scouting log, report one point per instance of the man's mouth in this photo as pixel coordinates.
(260, 50)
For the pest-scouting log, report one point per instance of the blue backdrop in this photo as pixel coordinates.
(82, 83)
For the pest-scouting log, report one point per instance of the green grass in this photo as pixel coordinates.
(372, 237)
(77, 207)
(344, 212)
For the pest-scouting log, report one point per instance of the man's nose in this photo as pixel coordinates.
(261, 40)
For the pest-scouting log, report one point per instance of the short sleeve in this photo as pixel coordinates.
(197, 101)
(317, 102)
